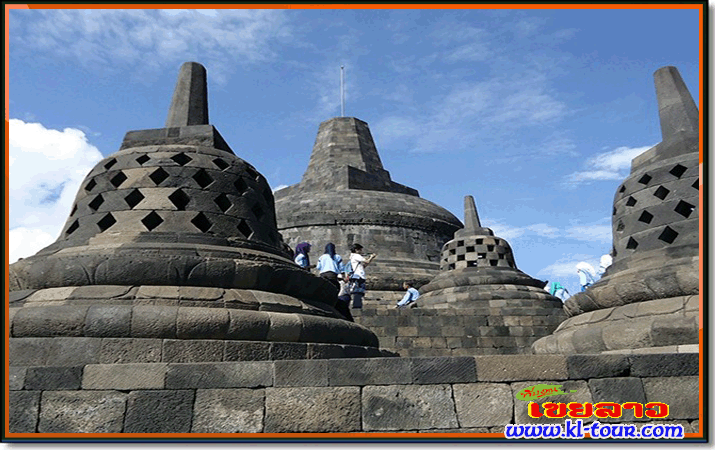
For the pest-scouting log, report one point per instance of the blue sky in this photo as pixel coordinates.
(536, 113)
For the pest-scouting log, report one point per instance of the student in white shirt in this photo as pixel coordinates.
(357, 279)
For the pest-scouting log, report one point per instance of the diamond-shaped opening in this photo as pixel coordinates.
(106, 222)
(110, 163)
(142, 159)
(202, 178)
(72, 227)
(89, 186)
(181, 159)
(244, 229)
(118, 179)
(460, 257)
(613, 252)
(490, 248)
(661, 192)
(460, 243)
(631, 201)
(622, 189)
(614, 210)
(240, 185)
(74, 209)
(684, 208)
(452, 251)
(451, 266)
(220, 163)
(493, 262)
(134, 198)
(470, 249)
(481, 255)
(620, 226)
(223, 202)
(158, 176)
(645, 179)
(201, 222)
(257, 211)
(646, 217)
(96, 203)
(500, 255)
(678, 170)
(631, 244)
(696, 184)
(479, 241)
(152, 220)
(471, 264)
(253, 173)
(668, 235)
(179, 199)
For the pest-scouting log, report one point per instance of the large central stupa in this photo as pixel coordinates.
(346, 197)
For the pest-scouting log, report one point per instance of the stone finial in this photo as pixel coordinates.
(189, 105)
(676, 107)
(471, 217)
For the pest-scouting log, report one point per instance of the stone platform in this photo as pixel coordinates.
(374, 395)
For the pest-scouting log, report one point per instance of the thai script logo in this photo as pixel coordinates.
(540, 391)
(601, 410)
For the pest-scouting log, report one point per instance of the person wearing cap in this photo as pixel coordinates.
(357, 280)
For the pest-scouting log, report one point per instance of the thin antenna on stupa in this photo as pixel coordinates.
(342, 92)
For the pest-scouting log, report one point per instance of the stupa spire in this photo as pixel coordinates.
(471, 217)
(189, 105)
(676, 107)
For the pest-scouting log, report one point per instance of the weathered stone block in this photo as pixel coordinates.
(219, 375)
(288, 350)
(228, 411)
(408, 407)
(195, 350)
(82, 412)
(108, 321)
(674, 330)
(619, 390)
(202, 323)
(53, 378)
(679, 393)
(73, 351)
(631, 334)
(16, 377)
(450, 369)
(49, 321)
(159, 411)
(513, 367)
(248, 325)
(154, 321)
(246, 351)
(361, 372)
(312, 409)
(301, 373)
(24, 407)
(671, 365)
(483, 404)
(597, 366)
(284, 327)
(129, 350)
(124, 376)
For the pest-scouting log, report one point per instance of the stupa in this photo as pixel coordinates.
(649, 296)
(346, 197)
(479, 276)
(171, 254)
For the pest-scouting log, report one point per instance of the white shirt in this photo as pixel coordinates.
(358, 264)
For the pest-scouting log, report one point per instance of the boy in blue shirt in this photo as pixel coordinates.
(410, 297)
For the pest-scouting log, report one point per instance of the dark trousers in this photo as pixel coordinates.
(343, 307)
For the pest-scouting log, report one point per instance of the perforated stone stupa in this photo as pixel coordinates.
(479, 276)
(346, 197)
(649, 296)
(171, 254)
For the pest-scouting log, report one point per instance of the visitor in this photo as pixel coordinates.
(606, 261)
(301, 255)
(343, 304)
(410, 297)
(329, 265)
(357, 277)
(557, 290)
(586, 274)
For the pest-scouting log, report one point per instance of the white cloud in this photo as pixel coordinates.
(46, 170)
(612, 165)
(147, 40)
(564, 271)
(591, 233)
(598, 232)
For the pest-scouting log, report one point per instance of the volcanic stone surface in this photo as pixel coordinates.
(644, 298)
(174, 238)
(479, 272)
(346, 197)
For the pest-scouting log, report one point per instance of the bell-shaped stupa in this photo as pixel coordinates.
(172, 241)
(347, 197)
(648, 297)
(480, 277)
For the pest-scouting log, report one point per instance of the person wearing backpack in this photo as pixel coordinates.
(329, 265)
(357, 277)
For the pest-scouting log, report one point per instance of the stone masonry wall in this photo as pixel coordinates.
(376, 395)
